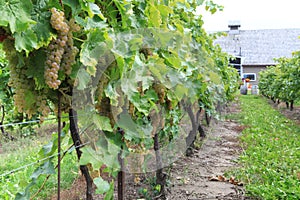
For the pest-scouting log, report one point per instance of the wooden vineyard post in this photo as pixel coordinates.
(58, 145)
(121, 174)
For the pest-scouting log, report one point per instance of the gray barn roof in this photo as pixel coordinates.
(260, 47)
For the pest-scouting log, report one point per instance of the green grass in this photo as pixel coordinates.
(25, 151)
(271, 158)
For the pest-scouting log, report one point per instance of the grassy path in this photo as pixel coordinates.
(271, 156)
(22, 153)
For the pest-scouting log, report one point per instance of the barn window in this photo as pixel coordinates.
(237, 64)
(251, 76)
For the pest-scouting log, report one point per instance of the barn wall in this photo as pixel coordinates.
(254, 69)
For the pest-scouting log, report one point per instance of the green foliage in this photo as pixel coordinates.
(6, 100)
(137, 62)
(283, 80)
(270, 160)
(23, 152)
(5, 91)
(152, 191)
(16, 14)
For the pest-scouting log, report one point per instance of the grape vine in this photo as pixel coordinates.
(281, 82)
(135, 68)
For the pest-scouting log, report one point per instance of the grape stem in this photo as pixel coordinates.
(78, 39)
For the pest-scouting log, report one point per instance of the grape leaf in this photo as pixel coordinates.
(173, 60)
(132, 130)
(95, 10)
(129, 85)
(214, 77)
(165, 11)
(113, 95)
(25, 40)
(124, 9)
(102, 123)
(110, 194)
(51, 147)
(42, 28)
(89, 155)
(107, 153)
(102, 185)
(44, 169)
(16, 14)
(111, 155)
(47, 148)
(95, 22)
(96, 45)
(36, 68)
(180, 91)
(154, 16)
(74, 5)
(26, 194)
(36, 34)
(83, 79)
(136, 42)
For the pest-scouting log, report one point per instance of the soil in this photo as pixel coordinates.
(293, 115)
(202, 175)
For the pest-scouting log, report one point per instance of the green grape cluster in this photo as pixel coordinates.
(62, 52)
(59, 22)
(23, 85)
(20, 84)
(56, 48)
(70, 50)
(17, 78)
(42, 106)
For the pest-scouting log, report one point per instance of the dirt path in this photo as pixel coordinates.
(192, 176)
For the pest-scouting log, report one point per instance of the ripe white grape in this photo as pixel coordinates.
(61, 51)
(69, 57)
(56, 48)
(22, 85)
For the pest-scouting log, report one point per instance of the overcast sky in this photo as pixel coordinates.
(254, 14)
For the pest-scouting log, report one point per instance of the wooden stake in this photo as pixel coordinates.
(59, 145)
(121, 174)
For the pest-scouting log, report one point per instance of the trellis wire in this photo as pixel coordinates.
(38, 161)
(37, 121)
(27, 122)
(33, 163)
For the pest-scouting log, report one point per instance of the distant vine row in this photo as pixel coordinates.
(281, 83)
